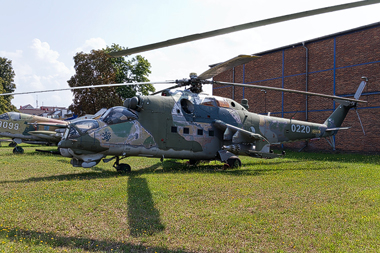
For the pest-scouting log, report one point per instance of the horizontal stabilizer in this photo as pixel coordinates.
(337, 128)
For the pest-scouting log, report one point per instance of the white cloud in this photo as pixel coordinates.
(49, 58)
(11, 55)
(91, 44)
(38, 67)
(43, 51)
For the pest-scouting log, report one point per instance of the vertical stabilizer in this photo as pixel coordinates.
(337, 117)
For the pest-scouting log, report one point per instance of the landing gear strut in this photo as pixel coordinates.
(121, 167)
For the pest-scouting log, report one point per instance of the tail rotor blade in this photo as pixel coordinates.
(359, 119)
(361, 88)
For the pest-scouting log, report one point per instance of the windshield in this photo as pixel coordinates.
(117, 115)
(81, 127)
(86, 125)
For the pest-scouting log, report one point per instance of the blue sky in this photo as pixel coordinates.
(42, 37)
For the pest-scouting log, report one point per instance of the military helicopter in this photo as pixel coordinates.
(191, 125)
(21, 127)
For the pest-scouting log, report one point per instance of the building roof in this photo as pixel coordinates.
(37, 112)
(313, 40)
(321, 38)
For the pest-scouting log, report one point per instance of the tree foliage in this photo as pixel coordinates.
(136, 69)
(93, 69)
(98, 68)
(7, 85)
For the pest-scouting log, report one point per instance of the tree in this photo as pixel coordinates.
(93, 69)
(135, 70)
(6, 85)
(98, 68)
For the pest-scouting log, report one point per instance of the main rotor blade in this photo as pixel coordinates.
(241, 27)
(291, 91)
(84, 87)
(236, 61)
(169, 88)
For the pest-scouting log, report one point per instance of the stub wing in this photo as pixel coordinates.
(243, 142)
(238, 135)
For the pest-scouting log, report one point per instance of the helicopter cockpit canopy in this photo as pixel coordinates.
(81, 127)
(118, 114)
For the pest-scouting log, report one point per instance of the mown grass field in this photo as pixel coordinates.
(301, 203)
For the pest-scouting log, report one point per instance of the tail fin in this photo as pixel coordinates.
(337, 117)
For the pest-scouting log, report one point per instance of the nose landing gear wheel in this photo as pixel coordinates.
(234, 162)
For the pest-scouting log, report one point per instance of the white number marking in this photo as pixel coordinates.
(300, 129)
(10, 125)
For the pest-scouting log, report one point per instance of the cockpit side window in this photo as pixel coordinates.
(118, 115)
(86, 125)
(4, 116)
(73, 133)
(81, 127)
(209, 102)
(222, 103)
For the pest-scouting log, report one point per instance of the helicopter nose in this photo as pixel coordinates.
(65, 152)
(66, 143)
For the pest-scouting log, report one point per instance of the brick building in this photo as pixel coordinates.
(332, 64)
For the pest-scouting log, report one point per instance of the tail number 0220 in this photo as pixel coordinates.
(5, 124)
(300, 129)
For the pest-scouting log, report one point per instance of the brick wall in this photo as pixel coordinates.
(336, 64)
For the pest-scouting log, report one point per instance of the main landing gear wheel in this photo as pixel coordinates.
(121, 167)
(234, 162)
(18, 150)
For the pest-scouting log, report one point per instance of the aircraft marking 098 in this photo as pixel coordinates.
(21, 127)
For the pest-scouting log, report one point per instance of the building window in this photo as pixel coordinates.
(174, 129)
(186, 130)
(200, 131)
(210, 132)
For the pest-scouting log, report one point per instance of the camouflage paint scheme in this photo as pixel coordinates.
(21, 127)
(188, 126)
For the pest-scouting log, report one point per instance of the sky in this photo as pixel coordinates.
(42, 37)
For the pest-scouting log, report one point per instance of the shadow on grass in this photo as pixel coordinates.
(35, 238)
(143, 217)
(175, 167)
(94, 174)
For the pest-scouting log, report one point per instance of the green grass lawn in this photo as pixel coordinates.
(301, 203)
